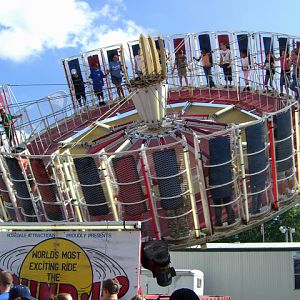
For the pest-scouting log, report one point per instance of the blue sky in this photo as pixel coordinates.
(36, 34)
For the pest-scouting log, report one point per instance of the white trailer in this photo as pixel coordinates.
(192, 279)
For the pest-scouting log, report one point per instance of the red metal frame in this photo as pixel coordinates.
(273, 163)
(69, 84)
(262, 61)
(148, 191)
(106, 79)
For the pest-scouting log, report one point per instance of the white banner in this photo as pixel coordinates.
(51, 262)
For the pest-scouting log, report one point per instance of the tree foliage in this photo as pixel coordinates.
(271, 230)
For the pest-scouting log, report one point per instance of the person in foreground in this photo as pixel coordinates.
(184, 294)
(138, 297)
(20, 292)
(110, 289)
(6, 281)
(61, 296)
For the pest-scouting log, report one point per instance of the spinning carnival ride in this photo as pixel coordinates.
(193, 164)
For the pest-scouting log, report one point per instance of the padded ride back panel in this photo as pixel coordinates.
(268, 44)
(219, 150)
(125, 168)
(74, 64)
(111, 53)
(89, 179)
(135, 49)
(284, 149)
(256, 162)
(204, 41)
(22, 192)
(165, 164)
(283, 44)
(224, 38)
(47, 188)
(92, 60)
(243, 42)
(179, 45)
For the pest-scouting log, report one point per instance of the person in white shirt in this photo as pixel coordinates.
(138, 64)
(225, 63)
(245, 68)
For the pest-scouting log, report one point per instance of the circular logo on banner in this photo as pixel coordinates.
(59, 261)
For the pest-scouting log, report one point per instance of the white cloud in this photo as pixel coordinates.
(28, 28)
(105, 36)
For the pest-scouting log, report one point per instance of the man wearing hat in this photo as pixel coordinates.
(20, 292)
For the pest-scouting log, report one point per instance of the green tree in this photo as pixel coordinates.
(291, 219)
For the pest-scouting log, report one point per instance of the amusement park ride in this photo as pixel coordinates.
(193, 164)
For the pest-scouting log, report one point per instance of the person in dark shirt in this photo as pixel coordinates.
(78, 87)
(7, 123)
(269, 65)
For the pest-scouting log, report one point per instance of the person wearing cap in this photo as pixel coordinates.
(110, 289)
(184, 294)
(61, 296)
(20, 292)
(78, 87)
(138, 297)
(6, 281)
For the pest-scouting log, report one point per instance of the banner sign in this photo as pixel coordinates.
(51, 262)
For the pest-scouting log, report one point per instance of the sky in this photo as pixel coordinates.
(35, 35)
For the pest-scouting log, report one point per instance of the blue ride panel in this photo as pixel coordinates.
(130, 188)
(284, 148)
(243, 42)
(219, 151)
(268, 44)
(111, 53)
(135, 49)
(256, 162)
(74, 64)
(204, 41)
(165, 164)
(47, 188)
(91, 186)
(283, 44)
(22, 192)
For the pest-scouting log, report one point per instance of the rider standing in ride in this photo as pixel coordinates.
(269, 65)
(78, 87)
(115, 69)
(97, 77)
(296, 72)
(225, 63)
